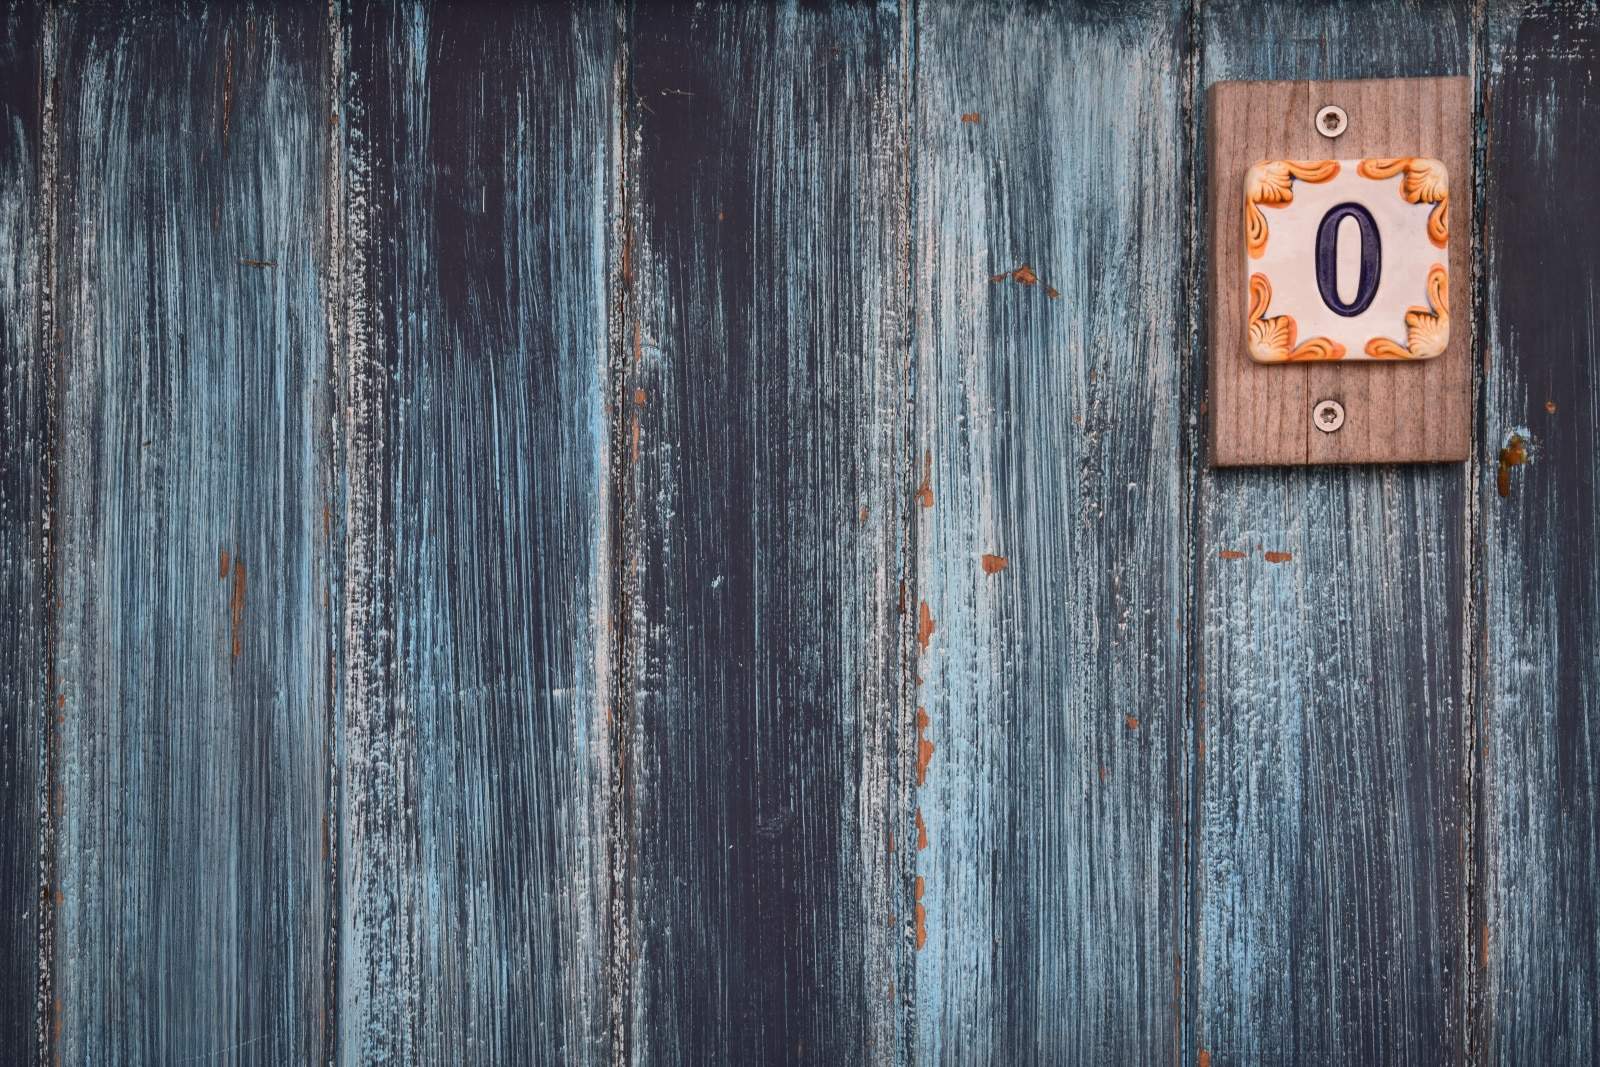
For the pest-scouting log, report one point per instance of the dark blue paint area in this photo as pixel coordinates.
(1328, 259)
(1540, 717)
(764, 495)
(23, 499)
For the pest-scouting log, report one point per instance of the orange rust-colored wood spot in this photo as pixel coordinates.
(236, 607)
(1231, 553)
(1025, 275)
(1131, 721)
(1279, 557)
(925, 625)
(972, 118)
(924, 746)
(1514, 454)
(922, 915)
(640, 397)
(993, 564)
(925, 490)
(922, 832)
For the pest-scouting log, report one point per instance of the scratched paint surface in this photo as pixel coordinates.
(190, 646)
(1051, 531)
(472, 858)
(577, 533)
(1537, 934)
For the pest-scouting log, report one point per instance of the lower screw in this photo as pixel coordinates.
(1328, 415)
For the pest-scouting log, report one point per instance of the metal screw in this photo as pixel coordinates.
(1328, 415)
(1332, 120)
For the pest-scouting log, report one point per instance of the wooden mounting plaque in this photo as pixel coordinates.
(1395, 412)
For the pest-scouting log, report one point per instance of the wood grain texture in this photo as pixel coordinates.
(1394, 412)
(766, 733)
(1330, 804)
(192, 641)
(1051, 157)
(24, 479)
(478, 192)
(1537, 933)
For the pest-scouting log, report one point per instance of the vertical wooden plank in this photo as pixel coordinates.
(1538, 935)
(476, 242)
(24, 472)
(765, 498)
(192, 645)
(1329, 921)
(1053, 523)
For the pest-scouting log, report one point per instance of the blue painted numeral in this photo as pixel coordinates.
(1327, 259)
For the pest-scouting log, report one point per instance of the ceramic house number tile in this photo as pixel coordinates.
(1346, 259)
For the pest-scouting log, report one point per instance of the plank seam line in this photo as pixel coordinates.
(48, 754)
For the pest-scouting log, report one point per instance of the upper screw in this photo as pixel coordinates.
(1332, 120)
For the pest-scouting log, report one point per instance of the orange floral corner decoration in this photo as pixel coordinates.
(1272, 340)
(1272, 184)
(1427, 329)
(1426, 182)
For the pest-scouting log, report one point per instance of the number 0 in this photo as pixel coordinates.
(1328, 259)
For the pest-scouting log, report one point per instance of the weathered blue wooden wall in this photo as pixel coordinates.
(582, 533)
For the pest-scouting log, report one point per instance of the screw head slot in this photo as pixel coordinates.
(1331, 121)
(1328, 415)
